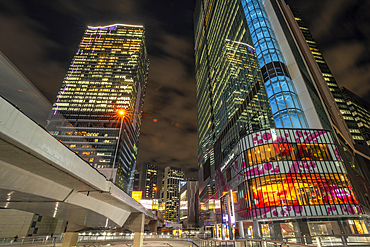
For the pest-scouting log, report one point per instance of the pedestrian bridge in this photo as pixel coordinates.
(38, 174)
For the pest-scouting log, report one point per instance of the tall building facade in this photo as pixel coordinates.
(360, 110)
(189, 204)
(97, 113)
(329, 78)
(146, 180)
(273, 148)
(172, 177)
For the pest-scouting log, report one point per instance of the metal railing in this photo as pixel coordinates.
(320, 241)
(31, 240)
(246, 243)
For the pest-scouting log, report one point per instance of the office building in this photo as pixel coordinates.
(189, 204)
(97, 113)
(172, 176)
(273, 148)
(146, 180)
(360, 110)
(329, 78)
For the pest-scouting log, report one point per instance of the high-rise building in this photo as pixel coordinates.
(172, 177)
(360, 110)
(273, 148)
(146, 180)
(189, 204)
(102, 98)
(329, 78)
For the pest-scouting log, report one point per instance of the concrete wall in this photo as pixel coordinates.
(14, 222)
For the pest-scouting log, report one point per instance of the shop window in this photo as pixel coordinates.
(287, 151)
(287, 230)
(324, 228)
(299, 189)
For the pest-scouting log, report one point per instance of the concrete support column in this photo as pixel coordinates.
(223, 231)
(229, 213)
(71, 236)
(256, 229)
(241, 229)
(70, 239)
(135, 223)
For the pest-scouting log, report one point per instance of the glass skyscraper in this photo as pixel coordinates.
(329, 78)
(172, 177)
(273, 150)
(146, 180)
(97, 113)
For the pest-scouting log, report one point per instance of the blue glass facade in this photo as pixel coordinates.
(285, 105)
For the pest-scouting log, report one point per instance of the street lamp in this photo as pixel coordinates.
(121, 114)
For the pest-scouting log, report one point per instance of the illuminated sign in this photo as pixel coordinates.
(211, 204)
(155, 204)
(137, 195)
(148, 204)
(273, 134)
(227, 161)
(217, 204)
(183, 205)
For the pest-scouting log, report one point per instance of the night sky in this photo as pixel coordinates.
(41, 36)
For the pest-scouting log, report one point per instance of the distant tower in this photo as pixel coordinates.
(146, 180)
(102, 99)
(172, 177)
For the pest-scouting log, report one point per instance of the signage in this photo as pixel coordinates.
(148, 204)
(137, 195)
(227, 161)
(273, 134)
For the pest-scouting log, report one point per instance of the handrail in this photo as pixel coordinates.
(261, 240)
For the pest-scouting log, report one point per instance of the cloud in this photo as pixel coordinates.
(41, 39)
(170, 100)
(348, 69)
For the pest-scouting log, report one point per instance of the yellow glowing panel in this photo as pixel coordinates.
(137, 195)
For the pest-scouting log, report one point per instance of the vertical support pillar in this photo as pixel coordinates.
(70, 239)
(217, 234)
(256, 229)
(71, 236)
(241, 229)
(135, 223)
(229, 214)
(223, 231)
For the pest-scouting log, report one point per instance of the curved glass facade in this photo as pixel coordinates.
(285, 105)
(282, 173)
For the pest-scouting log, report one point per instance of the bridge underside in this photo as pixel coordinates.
(38, 174)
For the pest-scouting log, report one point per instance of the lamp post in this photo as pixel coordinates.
(121, 113)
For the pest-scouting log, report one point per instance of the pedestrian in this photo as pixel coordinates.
(15, 238)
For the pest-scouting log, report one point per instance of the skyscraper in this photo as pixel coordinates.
(189, 204)
(329, 78)
(273, 148)
(146, 180)
(102, 98)
(172, 177)
(360, 110)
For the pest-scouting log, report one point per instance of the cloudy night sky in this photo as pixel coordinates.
(41, 36)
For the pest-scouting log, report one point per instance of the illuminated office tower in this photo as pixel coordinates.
(273, 148)
(145, 180)
(102, 98)
(329, 78)
(360, 110)
(172, 177)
